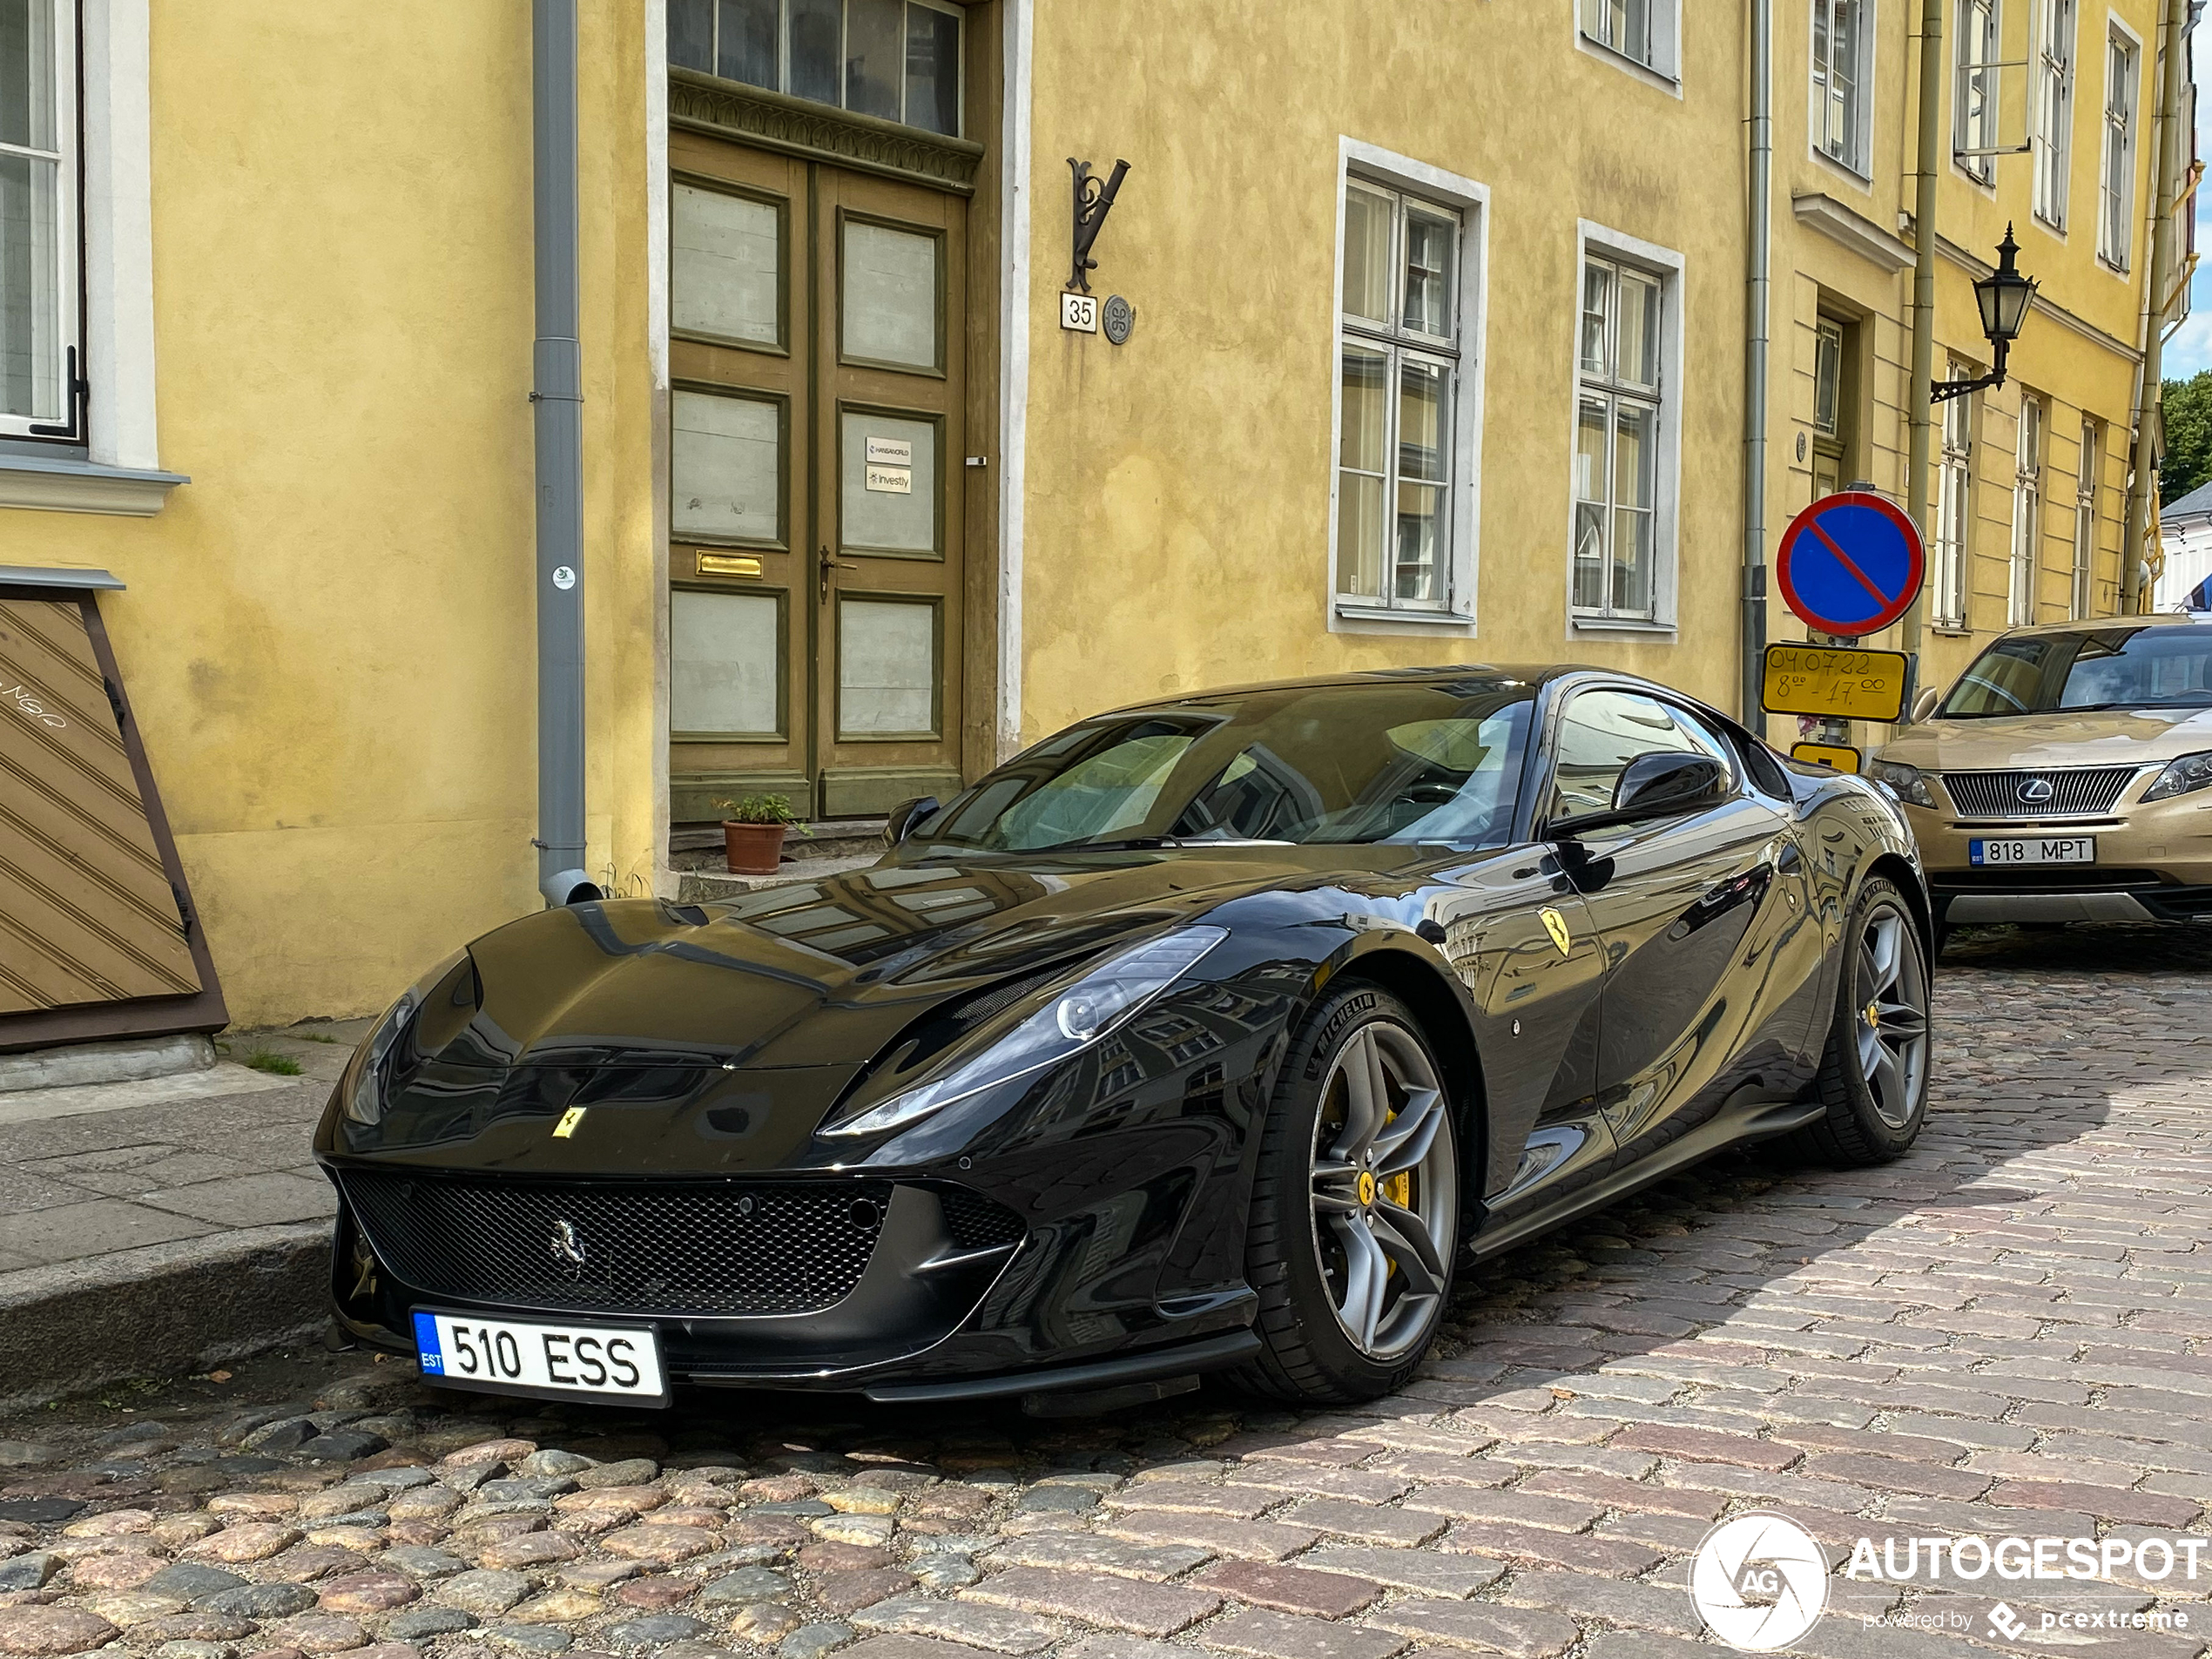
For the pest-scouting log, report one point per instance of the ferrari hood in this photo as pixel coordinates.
(2047, 742)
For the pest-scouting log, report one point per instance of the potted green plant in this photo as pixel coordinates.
(752, 831)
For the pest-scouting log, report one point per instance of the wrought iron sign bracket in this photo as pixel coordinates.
(1944, 391)
(1094, 200)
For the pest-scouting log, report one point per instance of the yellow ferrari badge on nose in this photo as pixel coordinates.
(567, 1126)
(1556, 925)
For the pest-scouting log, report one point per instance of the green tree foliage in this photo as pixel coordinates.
(2188, 437)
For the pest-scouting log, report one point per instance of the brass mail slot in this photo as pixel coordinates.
(727, 564)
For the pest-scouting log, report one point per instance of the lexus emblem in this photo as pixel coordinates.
(565, 1245)
(2034, 791)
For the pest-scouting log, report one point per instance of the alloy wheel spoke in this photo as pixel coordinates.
(1366, 1279)
(1336, 1189)
(1886, 939)
(1886, 1083)
(1411, 1134)
(1902, 1021)
(1366, 1095)
(1406, 1241)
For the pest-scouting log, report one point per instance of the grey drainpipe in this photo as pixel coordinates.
(557, 397)
(1757, 300)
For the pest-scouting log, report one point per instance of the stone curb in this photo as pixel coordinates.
(159, 1309)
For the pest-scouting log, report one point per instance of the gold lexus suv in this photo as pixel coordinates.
(2067, 777)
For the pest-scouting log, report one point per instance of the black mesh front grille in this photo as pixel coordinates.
(666, 1247)
(977, 1223)
(2082, 791)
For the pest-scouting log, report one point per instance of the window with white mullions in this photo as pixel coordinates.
(2027, 515)
(39, 233)
(1841, 31)
(2053, 136)
(2085, 520)
(1955, 505)
(1974, 110)
(898, 60)
(1397, 357)
(1617, 443)
(2116, 192)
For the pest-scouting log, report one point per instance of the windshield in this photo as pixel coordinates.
(2167, 666)
(1373, 762)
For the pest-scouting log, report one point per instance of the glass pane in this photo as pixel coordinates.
(817, 49)
(876, 52)
(933, 70)
(1631, 563)
(1636, 450)
(889, 484)
(886, 667)
(1638, 350)
(27, 73)
(1424, 423)
(890, 299)
(1429, 239)
(1420, 543)
(723, 266)
(1366, 416)
(1591, 482)
(723, 673)
(1366, 254)
(1599, 734)
(690, 34)
(1360, 535)
(746, 47)
(726, 461)
(1827, 373)
(1635, 39)
(1590, 557)
(1597, 299)
(30, 299)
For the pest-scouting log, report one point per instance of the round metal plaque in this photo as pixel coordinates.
(1116, 317)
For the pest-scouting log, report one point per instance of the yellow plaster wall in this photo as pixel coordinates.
(1178, 502)
(328, 634)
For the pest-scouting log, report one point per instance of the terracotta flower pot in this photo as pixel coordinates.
(752, 849)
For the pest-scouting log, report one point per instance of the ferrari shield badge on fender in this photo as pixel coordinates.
(1555, 924)
(574, 1115)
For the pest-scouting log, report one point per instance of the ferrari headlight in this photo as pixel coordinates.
(1095, 1005)
(1904, 782)
(2182, 776)
(365, 1100)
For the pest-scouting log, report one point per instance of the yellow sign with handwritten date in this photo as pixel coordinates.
(1839, 681)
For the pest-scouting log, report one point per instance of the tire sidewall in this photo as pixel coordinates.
(1888, 1141)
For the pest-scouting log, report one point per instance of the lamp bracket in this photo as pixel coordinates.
(1094, 200)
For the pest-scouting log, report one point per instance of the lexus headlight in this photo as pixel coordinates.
(2182, 776)
(1904, 782)
(365, 1100)
(1107, 997)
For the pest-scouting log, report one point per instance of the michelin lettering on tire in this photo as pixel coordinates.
(1759, 1581)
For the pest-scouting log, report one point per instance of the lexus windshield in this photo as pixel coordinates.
(2165, 666)
(1342, 764)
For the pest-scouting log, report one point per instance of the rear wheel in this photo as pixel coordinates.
(1356, 1208)
(1873, 1077)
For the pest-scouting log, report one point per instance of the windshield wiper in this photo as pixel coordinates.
(1128, 844)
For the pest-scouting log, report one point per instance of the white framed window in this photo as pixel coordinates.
(2085, 519)
(1843, 39)
(1955, 505)
(2116, 177)
(898, 60)
(1407, 392)
(2052, 139)
(1643, 32)
(2027, 513)
(1974, 106)
(40, 248)
(1627, 439)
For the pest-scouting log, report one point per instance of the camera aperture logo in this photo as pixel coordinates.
(1759, 1581)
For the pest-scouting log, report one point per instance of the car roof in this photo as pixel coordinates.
(1535, 675)
(2104, 625)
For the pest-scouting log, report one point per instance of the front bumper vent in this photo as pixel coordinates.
(668, 1247)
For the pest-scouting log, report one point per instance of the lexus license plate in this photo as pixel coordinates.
(562, 1361)
(2041, 849)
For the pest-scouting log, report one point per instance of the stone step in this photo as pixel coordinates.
(706, 887)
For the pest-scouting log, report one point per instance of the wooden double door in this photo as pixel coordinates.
(817, 456)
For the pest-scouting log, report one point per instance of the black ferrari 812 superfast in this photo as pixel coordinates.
(1219, 1034)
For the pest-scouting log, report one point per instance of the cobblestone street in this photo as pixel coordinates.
(2007, 1332)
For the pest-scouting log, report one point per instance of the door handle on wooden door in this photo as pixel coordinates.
(827, 564)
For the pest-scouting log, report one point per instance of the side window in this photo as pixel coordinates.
(1703, 737)
(1599, 733)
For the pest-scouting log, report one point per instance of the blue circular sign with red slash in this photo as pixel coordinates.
(1851, 564)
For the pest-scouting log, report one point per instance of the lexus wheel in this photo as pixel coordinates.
(1356, 1209)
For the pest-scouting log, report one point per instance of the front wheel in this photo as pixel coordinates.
(1356, 1207)
(1873, 1077)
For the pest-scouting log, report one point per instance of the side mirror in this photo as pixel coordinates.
(1661, 784)
(1924, 705)
(906, 815)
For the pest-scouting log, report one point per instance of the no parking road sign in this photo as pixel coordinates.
(1850, 565)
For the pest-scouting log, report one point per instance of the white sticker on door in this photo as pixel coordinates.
(892, 452)
(891, 481)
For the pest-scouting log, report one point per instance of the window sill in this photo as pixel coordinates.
(1649, 74)
(56, 484)
(1622, 625)
(1367, 619)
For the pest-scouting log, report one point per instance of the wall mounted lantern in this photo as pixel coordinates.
(2004, 297)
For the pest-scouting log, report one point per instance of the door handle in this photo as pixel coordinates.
(827, 564)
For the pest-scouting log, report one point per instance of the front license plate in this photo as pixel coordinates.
(513, 1357)
(2045, 849)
